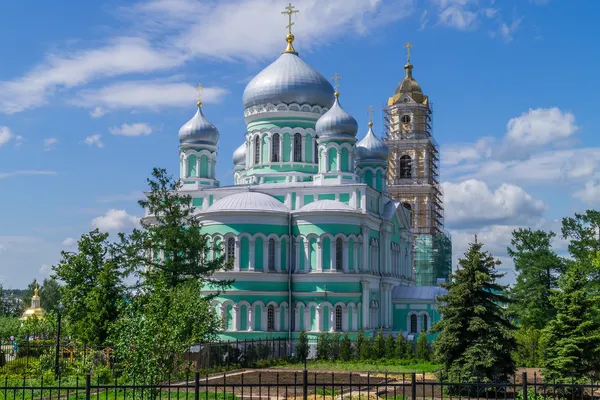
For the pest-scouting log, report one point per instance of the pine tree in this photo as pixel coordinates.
(423, 352)
(390, 346)
(401, 347)
(302, 346)
(361, 342)
(476, 338)
(571, 341)
(334, 347)
(379, 345)
(346, 348)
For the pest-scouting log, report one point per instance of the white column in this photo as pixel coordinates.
(250, 318)
(345, 255)
(263, 318)
(365, 249)
(251, 255)
(326, 166)
(345, 326)
(297, 319)
(299, 200)
(365, 304)
(266, 255)
(331, 319)
(354, 319)
(278, 256)
(353, 199)
(312, 150)
(332, 255)
(198, 165)
(307, 319)
(355, 245)
(277, 322)
(237, 254)
(236, 318)
(338, 160)
(306, 254)
(320, 319)
(286, 317)
(280, 148)
(319, 256)
(185, 167)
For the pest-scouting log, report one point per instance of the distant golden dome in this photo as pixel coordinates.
(409, 86)
(35, 309)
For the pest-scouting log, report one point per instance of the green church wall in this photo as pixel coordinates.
(332, 154)
(325, 319)
(244, 253)
(319, 229)
(313, 254)
(264, 155)
(313, 318)
(379, 181)
(345, 198)
(197, 202)
(368, 179)
(308, 198)
(251, 229)
(326, 250)
(337, 287)
(258, 286)
(326, 196)
(243, 317)
(294, 195)
(284, 251)
(204, 166)
(257, 317)
(287, 145)
(345, 160)
(192, 165)
(280, 198)
(308, 148)
(258, 254)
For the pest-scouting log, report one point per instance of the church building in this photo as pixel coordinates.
(317, 241)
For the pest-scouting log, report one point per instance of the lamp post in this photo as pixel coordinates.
(60, 307)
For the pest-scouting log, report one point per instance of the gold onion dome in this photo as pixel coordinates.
(35, 310)
(409, 86)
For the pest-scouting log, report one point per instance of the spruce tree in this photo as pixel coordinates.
(476, 338)
(346, 348)
(379, 345)
(361, 342)
(302, 346)
(323, 347)
(401, 347)
(390, 346)
(423, 352)
(571, 341)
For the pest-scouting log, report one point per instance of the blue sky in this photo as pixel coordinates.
(92, 95)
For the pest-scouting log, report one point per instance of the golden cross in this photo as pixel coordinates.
(199, 91)
(408, 46)
(289, 10)
(336, 79)
(370, 112)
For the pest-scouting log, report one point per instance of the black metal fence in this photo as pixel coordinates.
(297, 385)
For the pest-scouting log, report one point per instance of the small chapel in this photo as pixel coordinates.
(317, 241)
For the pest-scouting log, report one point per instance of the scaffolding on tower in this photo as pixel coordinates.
(414, 180)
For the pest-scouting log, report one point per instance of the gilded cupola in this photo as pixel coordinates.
(408, 85)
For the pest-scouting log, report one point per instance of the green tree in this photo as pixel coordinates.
(49, 294)
(582, 231)
(323, 347)
(361, 342)
(529, 350)
(92, 287)
(401, 347)
(390, 346)
(423, 351)
(302, 346)
(346, 348)
(169, 257)
(538, 269)
(476, 340)
(334, 347)
(9, 326)
(571, 341)
(379, 345)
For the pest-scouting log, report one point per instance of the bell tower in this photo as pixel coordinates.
(413, 175)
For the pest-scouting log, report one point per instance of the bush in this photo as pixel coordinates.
(323, 347)
(334, 347)
(346, 348)
(34, 348)
(302, 346)
(360, 343)
(390, 346)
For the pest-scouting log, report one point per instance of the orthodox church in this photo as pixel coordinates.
(317, 242)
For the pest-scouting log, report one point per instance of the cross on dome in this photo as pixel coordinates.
(336, 83)
(289, 11)
(370, 111)
(199, 91)
(408, 46)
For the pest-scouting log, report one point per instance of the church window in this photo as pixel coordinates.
(275, 147)
(297, 147)
(256, 150)
(339, 254)
(271, 259)
(413, 323)
(271, 318)
(405, 167)
(424, 327)
(338, 318)
(230, 248)
(316, 155)
(405, 119)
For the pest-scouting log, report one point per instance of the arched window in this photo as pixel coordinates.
(339, 254)
(413, 323)
(256, 150)
(271, 259)
(338, 318)
(316, 155)
(271, 318)
(405, 119)
(230, 248)
(405, 167)
(297, 147)
(275, 147)
(424, 327)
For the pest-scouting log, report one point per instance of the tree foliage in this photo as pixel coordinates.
(538, 268)
(571, 341)
(476, 338)
(423, 351)
(583, 233)
(92, 287)
(302, 346)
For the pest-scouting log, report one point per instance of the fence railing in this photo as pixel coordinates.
(298, 385)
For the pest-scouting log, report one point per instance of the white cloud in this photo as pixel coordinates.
(456, 16)
(471, 204)
(69, 242)
(540, 127)
(6, 135)
(97, 112)
(507, 31)
(115, 220)
(94, 140)
(25, 172)
(136, 129)
(49, 143)
(147, 94)
(45, 269)
(455, 154)
(590, 194)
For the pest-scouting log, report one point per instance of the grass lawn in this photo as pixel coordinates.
(364, 366)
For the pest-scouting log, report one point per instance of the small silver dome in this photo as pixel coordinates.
(371, 148)
(336, 122)
(199, 130)
(288, 80)
(239, 156)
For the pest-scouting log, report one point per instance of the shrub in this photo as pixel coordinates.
(323, 347)
(379, 345)
(390, 346)
(423, 351)
(334, 347)
(360, 343)
(302, 346)
(346, 348)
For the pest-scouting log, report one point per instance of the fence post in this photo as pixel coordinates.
(413, 385)
(524, 384)
(305, 382)
(88, 379)
(197, 386)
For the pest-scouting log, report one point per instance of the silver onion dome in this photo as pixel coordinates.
(371, 148)
(288, 80)
(239, 156)
(336, 122)
(199, 130)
